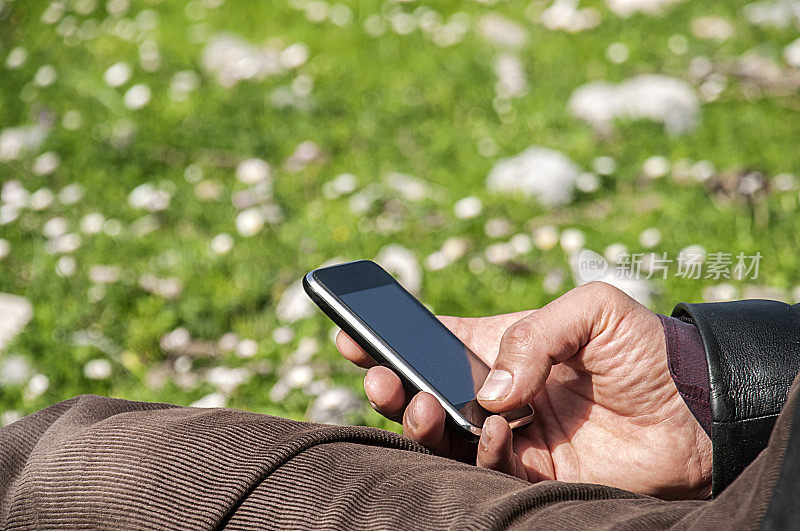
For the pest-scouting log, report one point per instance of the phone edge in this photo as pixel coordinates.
(335, 310)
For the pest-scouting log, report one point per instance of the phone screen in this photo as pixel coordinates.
(420, 339)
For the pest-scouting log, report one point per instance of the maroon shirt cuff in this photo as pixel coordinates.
(688, 367)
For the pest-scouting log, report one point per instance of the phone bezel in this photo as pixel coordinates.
(353, 325)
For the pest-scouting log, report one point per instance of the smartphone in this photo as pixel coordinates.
(399, 332)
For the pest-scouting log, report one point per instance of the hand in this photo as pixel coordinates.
(593, 365)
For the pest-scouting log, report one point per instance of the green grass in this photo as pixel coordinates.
(387, 104)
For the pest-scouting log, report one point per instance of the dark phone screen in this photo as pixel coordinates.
(420, 339)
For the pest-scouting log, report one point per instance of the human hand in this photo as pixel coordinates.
(593, 365)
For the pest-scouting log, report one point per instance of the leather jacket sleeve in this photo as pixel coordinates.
(753, 353)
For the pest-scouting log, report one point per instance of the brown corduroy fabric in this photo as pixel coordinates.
(96, 462)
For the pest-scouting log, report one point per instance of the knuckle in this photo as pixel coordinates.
(601, 290)
(520, 334)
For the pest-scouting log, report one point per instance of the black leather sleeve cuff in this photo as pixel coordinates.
(753, 352)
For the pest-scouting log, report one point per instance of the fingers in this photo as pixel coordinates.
(352, 351)
(495, 450)
(531, 346)
(424, 422)
(385, 392)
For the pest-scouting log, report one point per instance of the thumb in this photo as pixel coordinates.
(532, 345)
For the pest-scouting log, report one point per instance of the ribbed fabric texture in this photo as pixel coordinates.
(94, 462)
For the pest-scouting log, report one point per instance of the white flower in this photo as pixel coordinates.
(340, 14)
(773, 13)
(98, 369)
(572, 240)
(104, 274)
(213, 400)
(294, 304)
(222, 243)
(511, 79)
(712, 27)
(5, 248)
(520, 244)
(282, 335)
(615, 252)
(468, 207)
(53, 13)
(499, 253)
(15, 312)
(720, 293)
(497, 227)
(72, 120)
(54, 227)
(182, 84)
(587, 182)
(565, 15)
(169, 287)
(545, 237)
(791, 54)
(502, 32)
(117, 74)
(692, 254)
(46, 163)
(410, 187)
(14, 370)
(10, 416)
(604, 165)
(375, 26)
(617, 53)
(655, 167)
(299, 376)
(253, 171)
(65, 244)
(66, 266)
(660, 98)
(230, 60)
(306, 348)
(401, 263)
(176, 340)
(294, 55)
(16, 58)
(149, 197)
(403, 23)
(42, 198)
(539, 172)
(37, 385)
(247, 348)
(14, 141)
(649, 238)
(137, 96)
(70, 194)
(226, 379)
(250, 221)
(342, 184)
(626, 8)
(45, 76)
(92, 223)
(316, 10)
(333, 406)
(228, 342)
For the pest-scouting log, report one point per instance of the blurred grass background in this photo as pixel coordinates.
(374, 101)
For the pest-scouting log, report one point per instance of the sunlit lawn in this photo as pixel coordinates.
(352, 99)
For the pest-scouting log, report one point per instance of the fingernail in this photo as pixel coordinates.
(496, 386)
(410, 420)
(486, 437)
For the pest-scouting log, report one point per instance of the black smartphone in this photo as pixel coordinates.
(398, 331)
